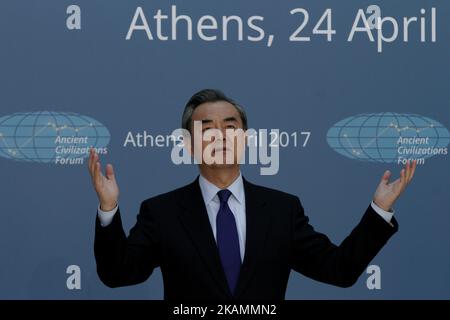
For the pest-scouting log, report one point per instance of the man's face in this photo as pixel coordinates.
(219, 118)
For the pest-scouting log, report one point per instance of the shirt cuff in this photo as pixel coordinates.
(106, 217)
(386, 215)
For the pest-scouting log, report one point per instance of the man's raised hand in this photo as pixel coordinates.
(105, 185)
(387, 193)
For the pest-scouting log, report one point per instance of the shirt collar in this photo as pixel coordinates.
(209, 190)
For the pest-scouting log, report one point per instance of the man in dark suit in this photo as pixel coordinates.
(222, 237)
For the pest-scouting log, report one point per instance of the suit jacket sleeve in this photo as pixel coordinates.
(122, 260)
(315, 256)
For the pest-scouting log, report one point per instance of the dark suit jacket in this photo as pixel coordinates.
(173, 232)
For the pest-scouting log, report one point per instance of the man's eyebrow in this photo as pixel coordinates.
(230, 119)
(206, 121)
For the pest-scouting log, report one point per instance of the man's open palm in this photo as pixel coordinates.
(105, 185)
(388, 192)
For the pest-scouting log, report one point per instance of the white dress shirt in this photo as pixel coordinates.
(236, 202)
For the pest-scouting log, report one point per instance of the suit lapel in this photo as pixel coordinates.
(257, 224)
(194, 218)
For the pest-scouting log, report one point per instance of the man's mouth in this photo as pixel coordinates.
(223, 149)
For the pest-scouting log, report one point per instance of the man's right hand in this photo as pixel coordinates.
(105, 185)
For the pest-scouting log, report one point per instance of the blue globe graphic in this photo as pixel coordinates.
(32, 136)
(374, 137)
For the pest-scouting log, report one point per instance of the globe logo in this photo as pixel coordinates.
(389, 137)
(51, 137)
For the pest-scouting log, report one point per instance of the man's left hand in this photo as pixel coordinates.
(387, 193)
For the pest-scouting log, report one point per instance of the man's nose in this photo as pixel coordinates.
(224, 133)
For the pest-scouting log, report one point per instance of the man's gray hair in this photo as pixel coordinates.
(208, 95)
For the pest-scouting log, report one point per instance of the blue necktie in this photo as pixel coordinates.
(228, 240)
